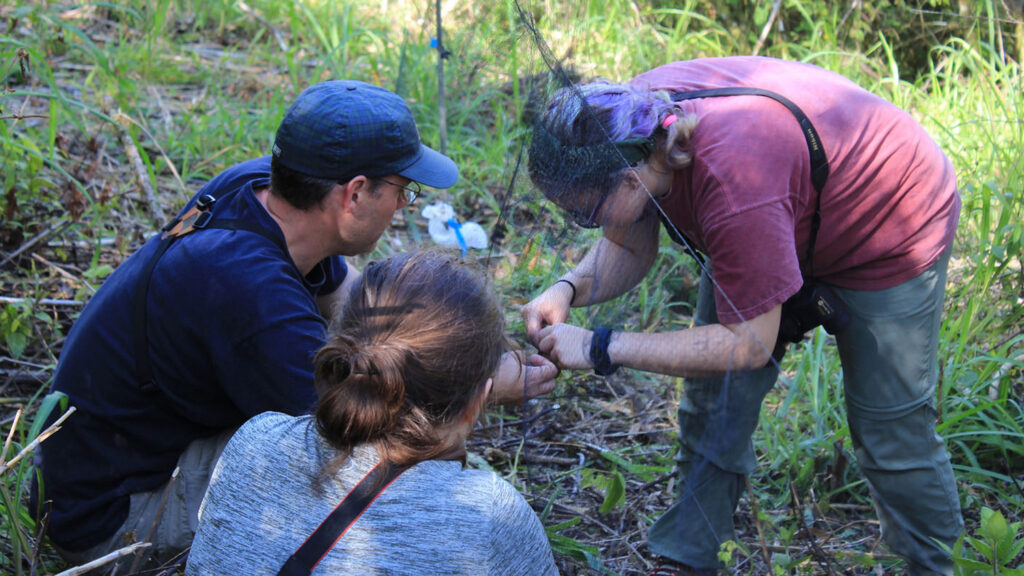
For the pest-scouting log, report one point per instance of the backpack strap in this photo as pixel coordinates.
(198, 217)
(819, 161)
(320, 542)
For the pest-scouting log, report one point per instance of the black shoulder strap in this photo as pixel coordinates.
(198, 217)
(320, 542)
(819, 161)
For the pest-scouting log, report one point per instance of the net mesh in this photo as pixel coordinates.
(554, 181)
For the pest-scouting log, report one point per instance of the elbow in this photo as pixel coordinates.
(758, 358)
(754, 353)
(754, 341)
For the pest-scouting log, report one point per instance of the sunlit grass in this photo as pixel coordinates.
(204, 84)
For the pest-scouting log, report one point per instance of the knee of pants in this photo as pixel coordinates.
(718, 416)
(896, 441)
(717, 440)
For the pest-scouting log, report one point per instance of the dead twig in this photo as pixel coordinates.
(776, 4)
(176, 565)
(56, 268)
(121, 118)
(156, 519)
(10, 435)
(103, 560)
(5, 466)
(41, 301)
(502, 423)
(131, 150)
(23, 116)
(277, 33)
(816, 552)
(56, 228)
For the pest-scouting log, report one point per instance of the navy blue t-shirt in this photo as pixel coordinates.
(232, 328)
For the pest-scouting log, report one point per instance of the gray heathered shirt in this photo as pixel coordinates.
(266, 497)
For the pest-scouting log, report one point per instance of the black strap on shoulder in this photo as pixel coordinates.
(143, 367)
(199, 217)
(819, 161)
(320, 542)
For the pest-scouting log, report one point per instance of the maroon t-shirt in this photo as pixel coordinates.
(889, 208)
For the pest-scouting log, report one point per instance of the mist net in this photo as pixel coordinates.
(581, 146)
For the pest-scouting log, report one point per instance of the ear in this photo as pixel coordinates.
(477, 407)
(633, 176)
(354, 193)
(677, 143)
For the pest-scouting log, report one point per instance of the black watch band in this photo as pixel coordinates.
(599, 352)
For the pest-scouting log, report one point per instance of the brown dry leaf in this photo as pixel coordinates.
(74, 201)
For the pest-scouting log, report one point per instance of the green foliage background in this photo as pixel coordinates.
(196, 85)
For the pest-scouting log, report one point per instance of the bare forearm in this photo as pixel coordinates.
(614, 264)
(700, 351)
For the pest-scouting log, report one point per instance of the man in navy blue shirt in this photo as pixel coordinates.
(218, 318)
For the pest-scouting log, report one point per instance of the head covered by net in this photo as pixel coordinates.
(588, 135)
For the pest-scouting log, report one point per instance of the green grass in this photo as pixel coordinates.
(198, 85)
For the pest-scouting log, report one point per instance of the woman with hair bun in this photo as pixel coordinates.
(401, 383)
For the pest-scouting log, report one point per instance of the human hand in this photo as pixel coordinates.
(551, 307)
(566, 345)
(520, 378)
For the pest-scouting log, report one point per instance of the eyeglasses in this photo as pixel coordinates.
(589, 222)
(411, 191)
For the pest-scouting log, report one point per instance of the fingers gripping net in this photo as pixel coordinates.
(570, 171)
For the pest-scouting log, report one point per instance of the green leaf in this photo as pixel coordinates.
(645, 472)
(99, 272)
(569, 547)
(50, 401)
(993, 525)
(612, 485)
(1011, 551)
(971, 565)
(16, 342)
(615, 492)
(562, 525)
(982, 547)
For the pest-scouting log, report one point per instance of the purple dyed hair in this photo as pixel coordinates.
(605, 112)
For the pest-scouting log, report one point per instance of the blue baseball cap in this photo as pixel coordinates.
(340, 129)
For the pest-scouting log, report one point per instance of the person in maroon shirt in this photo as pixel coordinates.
(739, 178)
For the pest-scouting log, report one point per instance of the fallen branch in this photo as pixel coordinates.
(23, 377)
(23, 116)
(83, 244)
(59, 226)
(102, 560)
(58, 269)
(41, 301)
(123, 118)
(529, 457)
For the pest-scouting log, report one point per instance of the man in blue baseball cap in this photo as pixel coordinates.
(218, 318)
